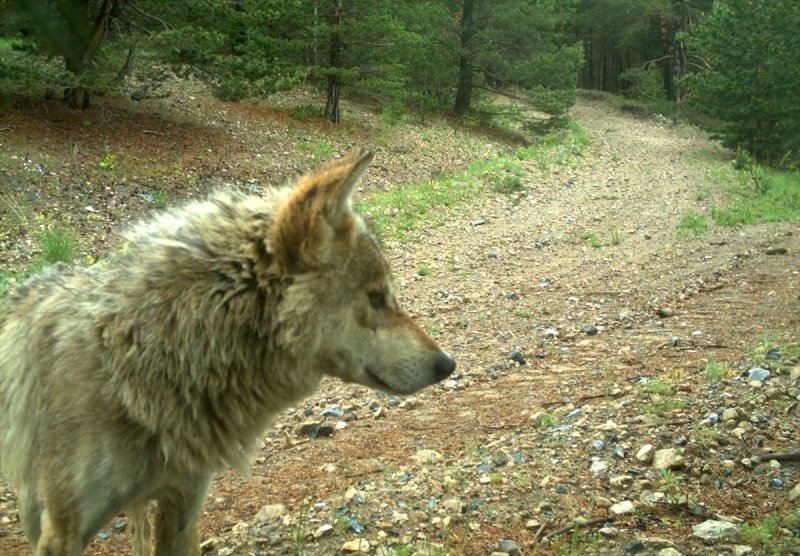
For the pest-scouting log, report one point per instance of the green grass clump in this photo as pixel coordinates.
(691, 224)
(593, 240)
(764, 196)
(657, 386)
(771, 534)
(58, 245)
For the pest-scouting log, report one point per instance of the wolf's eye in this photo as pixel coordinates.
(377, 299)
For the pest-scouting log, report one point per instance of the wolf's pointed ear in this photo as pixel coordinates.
(318, 211)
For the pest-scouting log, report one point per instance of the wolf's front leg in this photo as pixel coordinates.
(177, 511)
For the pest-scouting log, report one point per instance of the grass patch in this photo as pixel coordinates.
(770, 534)
(397, 212)
(657, 386)
(544, 420)
(58, 245)
(660, 407)
(423, 271)
(776, 355)
(160, 198)
(593, 240)
(716, 372)
(762, 195)
(691, 224)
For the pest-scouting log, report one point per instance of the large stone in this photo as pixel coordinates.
(426, 456)
(269, 512)
(713, 530)
(668, 458)
(624, 507)
(794, 494)
(356, 546)
(645, 453)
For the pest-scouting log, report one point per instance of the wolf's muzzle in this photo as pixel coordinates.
(445, 365)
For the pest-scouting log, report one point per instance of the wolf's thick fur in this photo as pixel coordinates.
(135, 381)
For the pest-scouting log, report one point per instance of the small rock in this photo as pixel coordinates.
(608, 532)
(450, 384)
(599, 466)
(645, 454)
(574, 414)
(454, 506)
(512, 548)
(712, 530)
(741, 550)
(333, 411)
(669, 551)
(624, 507)
(794, 494)
(269, 512)
(323, 530)
(730, 414)
(355, 525)
(589, 330)
(356, 546)
(665, 312)
(757, 373)
(633, 546)
(602, 502)
(621, 481)
(517, 356)
(427, 456)
(668, 458)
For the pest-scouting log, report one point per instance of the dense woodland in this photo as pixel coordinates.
(736, 62)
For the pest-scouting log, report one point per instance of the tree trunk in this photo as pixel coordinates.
(332, 104)
(464, 90)
(334, 79)
(77, 96)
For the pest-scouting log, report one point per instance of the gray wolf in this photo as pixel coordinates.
(135, 381)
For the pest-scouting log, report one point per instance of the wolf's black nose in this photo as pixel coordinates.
(445, 365)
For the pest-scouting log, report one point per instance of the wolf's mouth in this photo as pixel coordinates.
(379, 383)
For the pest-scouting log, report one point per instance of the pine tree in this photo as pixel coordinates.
(752, 80)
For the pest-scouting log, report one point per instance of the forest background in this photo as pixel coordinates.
(733, 66)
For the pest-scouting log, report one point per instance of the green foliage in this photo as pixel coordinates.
(58, 244)
(762, 195)
(657, 386)
(771, 533)
(691, 224)
(642, 84)
(751, 86)
(160, 198)
(593, 240)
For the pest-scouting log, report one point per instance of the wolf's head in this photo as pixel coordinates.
(341, 288)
